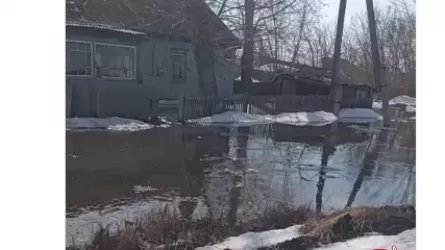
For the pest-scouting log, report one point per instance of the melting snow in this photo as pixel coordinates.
(403, 100)
(234, 118)
(377, 105)
(410, 109)
(409, 102)
(252, 240)
(358, 116)
(319, 118)
(142, 189)
(253, 79)
(405, 240)
(111, 123)
(227, 171)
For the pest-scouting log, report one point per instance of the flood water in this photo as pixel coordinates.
(234, 172)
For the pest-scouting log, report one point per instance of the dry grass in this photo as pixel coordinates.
(352, 222)
(163, 229)
(167, 230)
(276, 216)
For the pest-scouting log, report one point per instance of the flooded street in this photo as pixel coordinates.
(234, 172)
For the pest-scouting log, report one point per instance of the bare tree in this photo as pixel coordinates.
(247, 58)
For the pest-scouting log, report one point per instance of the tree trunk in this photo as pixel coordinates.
(336, 88)
(205, 65)
(247, 57)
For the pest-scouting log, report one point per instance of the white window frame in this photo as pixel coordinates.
(185, 51)
(92, 57)
(118, 46)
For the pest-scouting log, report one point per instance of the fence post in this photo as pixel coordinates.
(181, 108)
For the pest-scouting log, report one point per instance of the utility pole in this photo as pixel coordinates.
(336, 88)
(380, 83)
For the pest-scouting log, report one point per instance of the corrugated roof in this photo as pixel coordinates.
(187, 18)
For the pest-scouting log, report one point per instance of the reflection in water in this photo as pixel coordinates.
(233, 172)
(328, 149)
(386, 139)
(235, 193)
(368, 164)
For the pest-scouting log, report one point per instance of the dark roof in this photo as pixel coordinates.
(355, 74)
(187, 18)
(317, 75)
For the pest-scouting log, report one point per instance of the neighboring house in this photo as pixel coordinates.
(155, 47)
(354, 73)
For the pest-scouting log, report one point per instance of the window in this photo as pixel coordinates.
(78, 58)
(115, 61)
(179, 65)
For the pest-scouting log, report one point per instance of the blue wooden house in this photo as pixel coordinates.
(122, 56)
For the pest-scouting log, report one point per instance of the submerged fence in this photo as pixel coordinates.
(201, 106)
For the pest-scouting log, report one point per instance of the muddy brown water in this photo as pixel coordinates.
(116, 176)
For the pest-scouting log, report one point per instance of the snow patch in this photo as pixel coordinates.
(232, 172)
(253, 79)
(410, 109)
(142, 189)
(318, 118)
(253, 240)
(358, 116)
(234, 118)
(111, 123)
(403, 100)
(377, 105)
(409, 102)
(405, 240)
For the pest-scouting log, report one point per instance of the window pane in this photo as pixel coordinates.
(88, 59)
(78, 58)
(81, 46)
(116, 61)
(178, 64)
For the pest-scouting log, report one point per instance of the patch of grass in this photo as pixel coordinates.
(349, 223)
(166, 230)
(162, 229)
(277, 216)
(353, 222)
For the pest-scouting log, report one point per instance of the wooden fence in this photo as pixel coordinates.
(201, 106)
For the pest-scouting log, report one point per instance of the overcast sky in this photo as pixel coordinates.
(330, 12)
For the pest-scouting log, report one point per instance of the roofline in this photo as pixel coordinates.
(105, 27)
(147, 35)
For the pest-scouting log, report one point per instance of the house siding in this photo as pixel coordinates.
(225, 74)
(158, 51)
(148, 51)
(92, 96)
